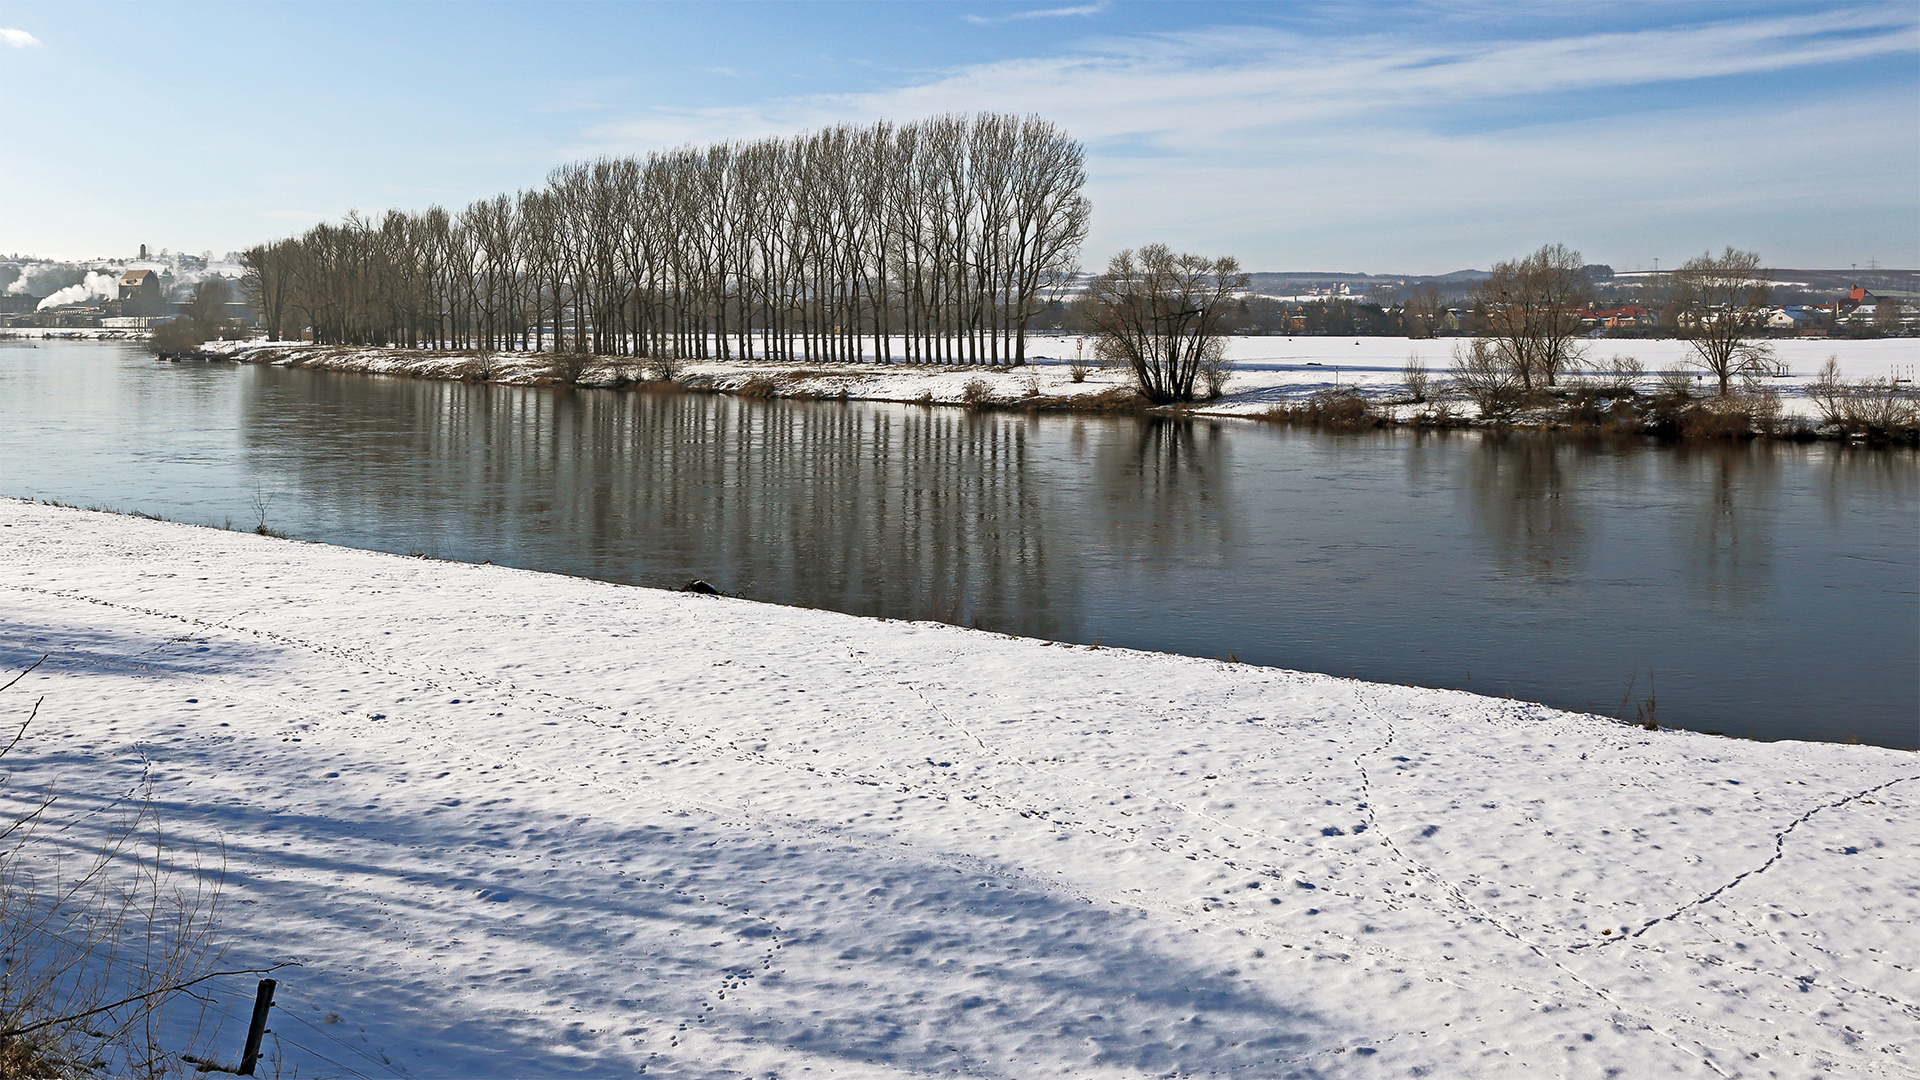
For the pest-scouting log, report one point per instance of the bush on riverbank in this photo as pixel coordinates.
(1875, 409)
(1341, 410)
(175, 337)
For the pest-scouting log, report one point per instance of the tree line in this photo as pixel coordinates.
(935, 241)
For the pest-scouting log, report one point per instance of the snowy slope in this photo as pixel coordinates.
(516, 824)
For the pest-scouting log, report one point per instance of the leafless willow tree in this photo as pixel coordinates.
(1532, 313)
(932, 242)
(1723, 303)
(1159, 314)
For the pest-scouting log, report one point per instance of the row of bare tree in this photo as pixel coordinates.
(933, 241)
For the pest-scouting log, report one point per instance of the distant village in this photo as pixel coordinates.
(1857, 314)
(114, 294)
(1809, 304)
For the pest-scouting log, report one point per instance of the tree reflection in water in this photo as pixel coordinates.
(901, 512)
(1728, 534)
(1530, 506)
(1164, 487)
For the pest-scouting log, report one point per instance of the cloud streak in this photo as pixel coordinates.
(18, 39)
(1080, 11)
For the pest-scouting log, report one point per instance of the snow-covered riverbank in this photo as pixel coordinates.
(1267, 371)
(517, 824)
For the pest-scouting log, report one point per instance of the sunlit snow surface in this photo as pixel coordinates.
(515, 824)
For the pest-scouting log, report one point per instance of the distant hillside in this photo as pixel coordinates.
(1303, 283)
(1790, 283)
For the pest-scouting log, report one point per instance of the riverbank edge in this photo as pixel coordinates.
(1052, 387)
(264, 528)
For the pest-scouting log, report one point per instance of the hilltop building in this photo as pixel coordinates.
(140, 294)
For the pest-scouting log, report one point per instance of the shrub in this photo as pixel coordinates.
(977, 392)
(568, 367)
(1678, 383)
(1878, 408)
(1717, 418)
(1340, 409)
(1491, 384)
(666, 368)
(1621, 376)
(1415, 376)
(1586, 408)
(1763, 405)
(1882, 406)
(179, 335)
(1829, 393)
(1215, 368)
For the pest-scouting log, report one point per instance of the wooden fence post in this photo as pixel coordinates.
(262, 1001)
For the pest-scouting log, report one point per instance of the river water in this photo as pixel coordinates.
(1769, 591)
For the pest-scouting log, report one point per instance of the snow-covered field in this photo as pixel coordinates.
(1267, 371)
(515, 824)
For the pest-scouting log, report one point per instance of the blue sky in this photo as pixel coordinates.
(1379, 137)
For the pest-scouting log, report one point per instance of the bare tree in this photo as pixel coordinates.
(1160, 313)
(1887, 314)
(269, 281)
(1723, 304)
(1049, 219)
(1414, 374)
(1532, 312)
(208, 307)
(1421, 312)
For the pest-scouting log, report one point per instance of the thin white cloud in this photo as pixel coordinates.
(1079, 11)
(19, 39)
(1190, 89)
(1260, 138)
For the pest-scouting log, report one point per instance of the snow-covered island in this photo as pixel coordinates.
(517, 824)
(1265, 373)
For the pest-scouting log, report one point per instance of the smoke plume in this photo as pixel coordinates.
(94, 286)
(39, 279)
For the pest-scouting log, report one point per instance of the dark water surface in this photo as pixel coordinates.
(1770, 591)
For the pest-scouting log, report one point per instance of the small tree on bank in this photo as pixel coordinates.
(1160, 315)
(1723, 313)
(1531, 312)
(204, 319)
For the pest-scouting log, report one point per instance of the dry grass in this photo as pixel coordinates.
(96, 946)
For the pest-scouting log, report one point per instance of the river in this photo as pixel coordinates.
(1761, 590)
